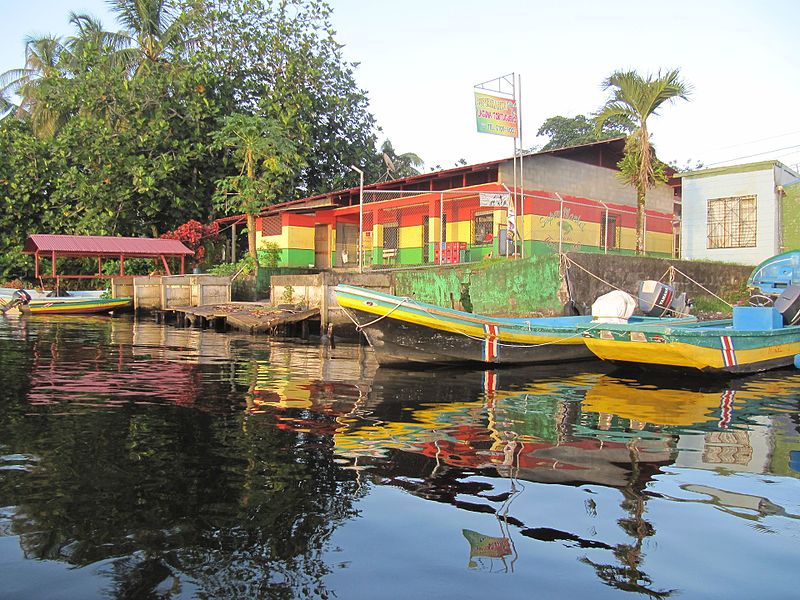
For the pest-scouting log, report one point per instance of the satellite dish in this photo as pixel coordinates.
(388, 162)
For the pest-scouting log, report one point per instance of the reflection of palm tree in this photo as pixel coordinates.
(399, 165)
(627, 576)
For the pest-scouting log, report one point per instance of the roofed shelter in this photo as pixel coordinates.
(52, 246)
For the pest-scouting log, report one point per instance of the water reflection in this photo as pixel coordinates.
(167, 462)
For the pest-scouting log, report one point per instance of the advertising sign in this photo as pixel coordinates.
(496, 115)
(494, 199)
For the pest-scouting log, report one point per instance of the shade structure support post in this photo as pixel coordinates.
(166, 264)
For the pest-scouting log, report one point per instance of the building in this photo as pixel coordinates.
(569, 198)
(740, 213)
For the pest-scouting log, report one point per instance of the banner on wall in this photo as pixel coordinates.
(496, 115)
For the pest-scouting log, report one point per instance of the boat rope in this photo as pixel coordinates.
(360, 326)
(702, 287)
(570, 263)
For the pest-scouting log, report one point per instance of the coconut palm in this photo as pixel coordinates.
(399, 165)
(90, 39)
(635, 98)
(42, 62)
(156, 32)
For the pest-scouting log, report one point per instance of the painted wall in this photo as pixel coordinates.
(296, 240)
(581, 179)
(791, 217)
(758, 179)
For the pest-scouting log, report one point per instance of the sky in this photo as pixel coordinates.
(419, 60)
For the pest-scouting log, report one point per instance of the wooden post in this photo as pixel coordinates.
(330, 336)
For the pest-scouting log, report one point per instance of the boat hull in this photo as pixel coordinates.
(398, 342)
(402, 331)
(75, 306)
(709, 349)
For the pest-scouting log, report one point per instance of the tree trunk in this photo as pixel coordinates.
(640, 232)
(251, 237)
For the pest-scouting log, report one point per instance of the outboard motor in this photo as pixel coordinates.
(18, 298)
(788, 304)
(658, 299)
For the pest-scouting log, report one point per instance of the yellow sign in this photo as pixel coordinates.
(496, 115)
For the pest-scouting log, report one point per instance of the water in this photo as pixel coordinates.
(141, 461)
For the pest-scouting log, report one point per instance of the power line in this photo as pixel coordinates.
(752, 155)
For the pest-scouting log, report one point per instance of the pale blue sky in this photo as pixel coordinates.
(419, 60)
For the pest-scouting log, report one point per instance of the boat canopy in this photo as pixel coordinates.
(775, 274)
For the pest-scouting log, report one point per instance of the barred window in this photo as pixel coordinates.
(391, 236)
(732, 222)
(271, 225)
(483, 226)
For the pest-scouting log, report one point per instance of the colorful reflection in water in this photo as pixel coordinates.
(145, 461)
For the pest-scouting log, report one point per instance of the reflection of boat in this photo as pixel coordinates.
(33, 302)
(403, 330)
(656, 405)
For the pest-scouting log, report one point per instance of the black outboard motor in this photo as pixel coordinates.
(658, 299)
(18, 298)
(788, 304)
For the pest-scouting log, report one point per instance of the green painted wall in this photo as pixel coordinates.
(295, 257)
(495, 287)
(791, 217)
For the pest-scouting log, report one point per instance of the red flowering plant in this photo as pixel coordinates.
(194, 235)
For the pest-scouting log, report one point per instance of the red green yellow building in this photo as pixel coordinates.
(570, 198)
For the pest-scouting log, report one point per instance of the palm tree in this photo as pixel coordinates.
(399, 165)
(635, 98)
(90, 40)
(42, 62)
(156, 31)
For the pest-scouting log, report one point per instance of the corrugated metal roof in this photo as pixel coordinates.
(101, 245)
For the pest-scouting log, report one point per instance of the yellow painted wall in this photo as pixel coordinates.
(410, 237)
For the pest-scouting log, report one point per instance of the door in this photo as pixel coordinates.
(322, 255)
(608, 232)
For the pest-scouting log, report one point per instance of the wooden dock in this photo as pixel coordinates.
(252, 317)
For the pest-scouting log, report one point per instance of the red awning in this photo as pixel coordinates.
(101, 245)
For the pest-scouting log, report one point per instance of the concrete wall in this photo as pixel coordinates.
(576, 178)
(625, 272)
(700, 188)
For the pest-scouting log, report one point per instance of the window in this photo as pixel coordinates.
(732, 222)
(390, 236)
(271, 225)
(483, 226)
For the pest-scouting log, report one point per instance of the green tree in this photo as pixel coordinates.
(42, 63)
(266, 158)
(155, 29)
(293, 71)
(399, 165)
(577, 130)
(636, 98)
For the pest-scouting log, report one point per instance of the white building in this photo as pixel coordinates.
(733, 214)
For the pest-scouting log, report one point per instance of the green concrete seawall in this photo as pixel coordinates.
(534, 285)
(501, 287)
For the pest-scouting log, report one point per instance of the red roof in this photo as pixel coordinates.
(101, 245)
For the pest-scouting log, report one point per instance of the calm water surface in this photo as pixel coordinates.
(141, 461)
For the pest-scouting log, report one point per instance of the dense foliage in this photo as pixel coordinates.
(123, 133)
(577, 130)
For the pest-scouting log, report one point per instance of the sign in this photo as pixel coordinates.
(494, 199)
(512, 221)
(496, 115)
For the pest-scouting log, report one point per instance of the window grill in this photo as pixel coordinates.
(732, 222)
(483, 227)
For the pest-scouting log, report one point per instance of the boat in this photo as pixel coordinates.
(774, 275)
(404, 330)
(76, 303)
(757, 338)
